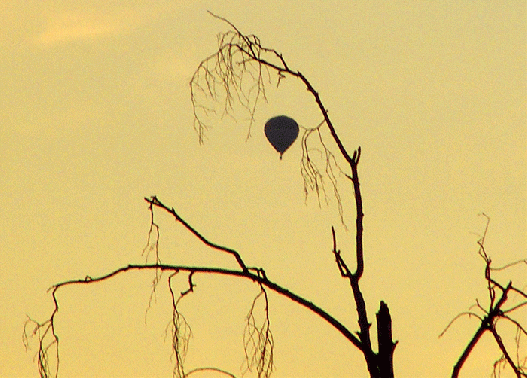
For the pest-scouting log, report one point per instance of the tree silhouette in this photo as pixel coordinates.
(239, 73)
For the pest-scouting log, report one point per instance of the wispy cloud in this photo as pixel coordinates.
(72, 26)
(63, 26)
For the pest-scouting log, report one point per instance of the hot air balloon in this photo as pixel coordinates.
(281, 131)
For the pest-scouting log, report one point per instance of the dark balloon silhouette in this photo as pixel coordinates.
(281, 131)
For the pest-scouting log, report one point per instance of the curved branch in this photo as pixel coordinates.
(199, 370)
(258, 278)
(285, 69)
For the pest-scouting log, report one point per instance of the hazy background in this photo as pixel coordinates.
(96, 114)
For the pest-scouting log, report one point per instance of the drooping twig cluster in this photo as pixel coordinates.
(258, 339)
(230, 76)
(313, 175)
(48, 343)
(181, 331)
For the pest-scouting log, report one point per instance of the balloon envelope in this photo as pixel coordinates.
(281, 131)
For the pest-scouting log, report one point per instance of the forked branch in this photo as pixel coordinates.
(498, 297)
(153, 201)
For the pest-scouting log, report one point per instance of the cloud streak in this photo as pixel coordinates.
(74, 25)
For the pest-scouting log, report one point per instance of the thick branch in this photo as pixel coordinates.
(364, 325)
(360, 215)
(384, 338)
(360, 304)
(354, 278)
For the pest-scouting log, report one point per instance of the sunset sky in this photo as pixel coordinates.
(96, 115)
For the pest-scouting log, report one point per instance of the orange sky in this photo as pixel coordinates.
(96, 115)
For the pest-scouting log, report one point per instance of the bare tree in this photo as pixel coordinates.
(238, 73)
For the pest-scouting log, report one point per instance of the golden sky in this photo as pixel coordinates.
(96, 115)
